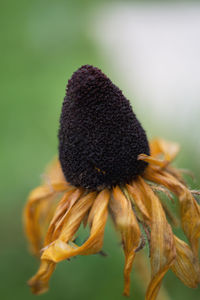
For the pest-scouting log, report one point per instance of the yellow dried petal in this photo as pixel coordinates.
(64, 206)
(125, 221)
(140, 201)
(186, 266)
(141, 267)
(162, 247)
(60, 250)
(190, 210)
(163, 147)
(159, 147)
(40, 282)
(61, 186)
(177, 173)
(39, 203)
(153, 160)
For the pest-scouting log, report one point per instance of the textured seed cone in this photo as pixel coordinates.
(100, 137)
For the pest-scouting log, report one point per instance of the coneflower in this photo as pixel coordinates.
(106, 166)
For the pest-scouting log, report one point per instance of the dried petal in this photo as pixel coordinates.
(143, 204)
(190, 211)
(141, 267)
(186, 266)
(162, 247)
(41, 205)
(63, 208)
(152, 160)
(163, 147)
(37, 212)
(126, 223)
(40, 282)
(60, 250)
(160, 147)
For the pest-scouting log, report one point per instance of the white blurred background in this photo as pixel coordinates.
(154, 50)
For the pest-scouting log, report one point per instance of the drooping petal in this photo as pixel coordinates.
(63, 208)
(98, 215)
(186, 266)
(97, 221)
(160, 147)
(41, 205)
(60, 249)
(162, 247)
(163, 147)
(125, 221)
(39, 282)
(37, 213)
(153, 160)
(190, 210)
(144, 205)
(177, 173)
(142, 270)
(31, 216)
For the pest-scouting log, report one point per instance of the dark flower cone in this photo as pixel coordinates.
(100, 137)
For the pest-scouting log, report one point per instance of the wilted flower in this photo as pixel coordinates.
(106, 166)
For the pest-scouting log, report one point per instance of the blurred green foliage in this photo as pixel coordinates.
(42, 43)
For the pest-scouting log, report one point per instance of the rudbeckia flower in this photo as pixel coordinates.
(106, 166)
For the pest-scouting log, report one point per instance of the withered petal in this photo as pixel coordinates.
(160, 147)
(40, 203)
(126, 222)
(60, 250)
(64, 206)
(190, 210)
(140, 200)
(186, 266)
(162, 248)
(40, 282)
(141, 266)
(166, 148)
(153, 160)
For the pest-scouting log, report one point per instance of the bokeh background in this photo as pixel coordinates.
(151, 51)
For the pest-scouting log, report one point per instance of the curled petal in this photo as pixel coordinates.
(40, 282)
(60, 250)
(153, 160)
(41, 205)
(166, 148)
(37, 213)
(143, 204)
(162, 247)
(63, 208)
(125, 221)
(190, 211)
(159, 147)
(177, 173)
(158, 188)
(56, 250)
(186, 266)
(141, 266)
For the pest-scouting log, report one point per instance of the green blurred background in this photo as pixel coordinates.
(42, 44)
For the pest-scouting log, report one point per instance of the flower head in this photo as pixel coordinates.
(106, 165)
(100, 137)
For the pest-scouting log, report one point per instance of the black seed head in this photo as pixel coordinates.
(100, 137)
